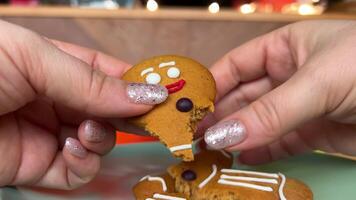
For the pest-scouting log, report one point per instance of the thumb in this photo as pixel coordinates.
(71, 82)
(278, 112)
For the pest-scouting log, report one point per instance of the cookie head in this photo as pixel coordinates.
(192, 92)
(180, 75)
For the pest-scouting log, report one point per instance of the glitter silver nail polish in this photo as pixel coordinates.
(94, 132)
(225, 134)
(150, 94)
(75, 148)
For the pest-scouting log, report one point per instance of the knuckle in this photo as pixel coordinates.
(234, 72)
(20, 48)
(96, 86)
(268, 116)
(29, 59)
(324, 86)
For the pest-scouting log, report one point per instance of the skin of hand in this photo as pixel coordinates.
(290, 91)
(47, 91)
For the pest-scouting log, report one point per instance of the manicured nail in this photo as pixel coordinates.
(150, 94)
(225, 134)
(94, 132)
(75, 148)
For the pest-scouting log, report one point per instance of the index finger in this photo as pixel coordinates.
(266, 55)
(96, 59)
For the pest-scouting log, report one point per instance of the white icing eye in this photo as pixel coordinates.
(173, 72)
(153, 78)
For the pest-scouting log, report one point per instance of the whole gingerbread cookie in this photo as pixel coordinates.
(192, 92)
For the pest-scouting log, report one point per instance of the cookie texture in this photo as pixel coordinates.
(192, 93)
(148, 188)
(210, 177)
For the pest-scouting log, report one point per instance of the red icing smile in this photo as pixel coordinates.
(176, 86)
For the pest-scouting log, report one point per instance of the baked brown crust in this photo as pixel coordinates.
(146, 189)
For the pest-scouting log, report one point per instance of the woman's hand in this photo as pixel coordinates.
(47, 90)
(287, 92)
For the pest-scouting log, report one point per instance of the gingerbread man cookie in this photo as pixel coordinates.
(192, 92)
(211, 177)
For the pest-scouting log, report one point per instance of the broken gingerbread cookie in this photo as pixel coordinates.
(210, 176)
(192, 91)
(164, 186)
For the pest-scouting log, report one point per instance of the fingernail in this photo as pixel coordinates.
(94, 132)
(225, 134)
(75, 148)
(150, 94)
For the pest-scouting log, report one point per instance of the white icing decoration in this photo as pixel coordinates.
(166, 197)
(149, 199)
(206, 181)
(164, 186)
(153, 78)
(253, 179)
(146, 71)
(248, 185)
(165, 64)
(151, 178)
(144, 178)
(250, 172)
(281, 187)
(173, 72)
(225, 154)
(180, 147)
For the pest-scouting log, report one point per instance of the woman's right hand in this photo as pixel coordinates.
(287, 92)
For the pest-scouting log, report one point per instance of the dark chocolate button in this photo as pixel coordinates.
(184, 105)
(189, 175)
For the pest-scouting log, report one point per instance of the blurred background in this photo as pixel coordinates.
(135, 29)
